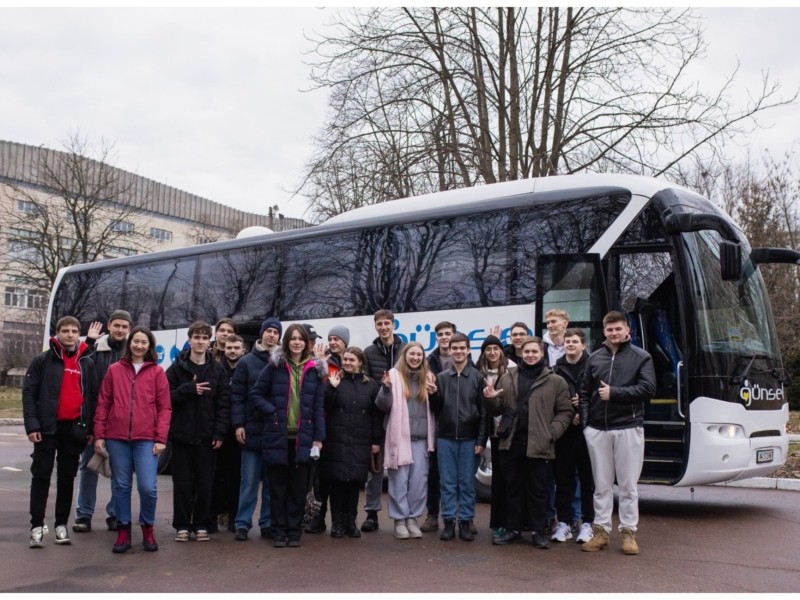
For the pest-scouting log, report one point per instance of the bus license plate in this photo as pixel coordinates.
(764, 456)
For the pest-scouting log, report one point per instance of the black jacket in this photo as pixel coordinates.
(352, 426)
(572, 374)
(378, 359)
(42, 389)
(198, 419)
(243, 412)
(105, 352)
(632, 378)
(458, 405)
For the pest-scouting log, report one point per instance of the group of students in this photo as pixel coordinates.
(554, 414)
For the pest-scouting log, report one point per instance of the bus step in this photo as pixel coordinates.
(660, 440)
(673, 460)
(658, 479)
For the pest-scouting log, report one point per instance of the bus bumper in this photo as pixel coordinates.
(729, 442)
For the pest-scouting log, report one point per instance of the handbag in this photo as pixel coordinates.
(79, 432)
(100, 464)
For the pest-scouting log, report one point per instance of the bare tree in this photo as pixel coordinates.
(427, 99)
(74, 208)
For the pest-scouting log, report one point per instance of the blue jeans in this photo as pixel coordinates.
(87, 489)
(254, 471)
(125, 456)
(457, 478)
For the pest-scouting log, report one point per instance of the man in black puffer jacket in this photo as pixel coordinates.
(248, 425)
(619, 379)
(199, 392)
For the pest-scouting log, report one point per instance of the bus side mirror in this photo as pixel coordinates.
(730, 260)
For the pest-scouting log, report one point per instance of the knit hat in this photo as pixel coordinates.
(121, 314)
(312, 333)
(341, 332)
(491, 340)
(270, 322)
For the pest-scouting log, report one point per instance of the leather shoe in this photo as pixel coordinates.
(449, 531)
(431, 524)
(371, 522)
(465, 531)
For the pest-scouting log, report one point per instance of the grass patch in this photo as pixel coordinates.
(10, 402)
(793, 426)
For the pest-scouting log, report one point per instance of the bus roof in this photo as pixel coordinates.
(637, 184)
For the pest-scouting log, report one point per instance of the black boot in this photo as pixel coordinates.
(371, 522)
(539, 540)
(350, 527)
(337, 525)
(465, 531)
(449, 531)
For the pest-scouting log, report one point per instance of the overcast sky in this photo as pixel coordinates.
(213, 101)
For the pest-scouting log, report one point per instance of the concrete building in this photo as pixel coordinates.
(139, 215)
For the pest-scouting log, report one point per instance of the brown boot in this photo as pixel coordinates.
(629, 545)
(599, 539)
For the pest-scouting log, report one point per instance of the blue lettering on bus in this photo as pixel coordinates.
(160, 353)
(476, 336)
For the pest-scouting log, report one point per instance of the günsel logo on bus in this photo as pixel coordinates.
(752, 392)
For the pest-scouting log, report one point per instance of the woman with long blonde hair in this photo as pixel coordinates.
(409, 437)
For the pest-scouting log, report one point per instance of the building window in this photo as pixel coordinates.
(162, 235)
(123, 226)
(16, 297)
(22, 250)
(29, 207)
(22, 234)
(117, 251)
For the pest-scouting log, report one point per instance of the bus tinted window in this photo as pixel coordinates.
(240, 284)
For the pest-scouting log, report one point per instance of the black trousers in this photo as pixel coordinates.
(288, 486)
(434, 489)
(526, 489)
(54, 449)
(227, 479)
(498, 516)
(192, 483)
(571, 455)
(344, 497)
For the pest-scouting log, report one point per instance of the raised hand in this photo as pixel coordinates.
(95, 330)
(335, 379)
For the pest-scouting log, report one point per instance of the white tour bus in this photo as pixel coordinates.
(495, 254)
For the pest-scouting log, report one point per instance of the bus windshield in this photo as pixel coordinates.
(732, 316)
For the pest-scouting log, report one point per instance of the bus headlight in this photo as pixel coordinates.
(726, 430)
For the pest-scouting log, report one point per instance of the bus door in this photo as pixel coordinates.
(642, 284)
(575, 283)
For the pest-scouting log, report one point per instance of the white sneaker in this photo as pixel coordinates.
(562, 533)
(37, 535)
(413, 528)
(400, 530)
(585, 533)
(62, 536)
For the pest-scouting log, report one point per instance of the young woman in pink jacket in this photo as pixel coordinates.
(131, 423)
